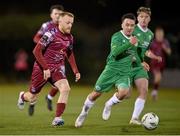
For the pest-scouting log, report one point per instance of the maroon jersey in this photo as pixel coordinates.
(50, 53)
(44, 28)
(157, 48)
(56, 46)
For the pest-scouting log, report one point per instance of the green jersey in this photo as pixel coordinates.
(119, 64)
(144, 39)
(121, 54)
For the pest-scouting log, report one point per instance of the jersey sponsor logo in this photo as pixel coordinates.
(146, 43)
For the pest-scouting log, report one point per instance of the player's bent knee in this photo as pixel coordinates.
(65, 89)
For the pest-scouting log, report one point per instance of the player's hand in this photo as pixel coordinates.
(78, 76)
(133, 40)
(159, 58)
(47, 74)
(145, 65)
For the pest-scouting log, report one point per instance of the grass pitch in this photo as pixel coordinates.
(14, 121)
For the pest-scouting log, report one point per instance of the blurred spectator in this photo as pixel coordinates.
(21, 64)
(160, 47)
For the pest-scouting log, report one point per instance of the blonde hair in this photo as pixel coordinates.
(144, 9)
(67, 13)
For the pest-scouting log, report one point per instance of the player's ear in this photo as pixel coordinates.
(122, 25)
(51, 15)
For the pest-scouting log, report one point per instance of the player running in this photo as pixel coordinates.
(139, 72)
(117, 70)
(55, 11)
(160, 46)
(50, 53)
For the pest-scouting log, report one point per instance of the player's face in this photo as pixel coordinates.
(159, 35)
(65, 23)
(143, 19)
(55, 15)
(128, 26)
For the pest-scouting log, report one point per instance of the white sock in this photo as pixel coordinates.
(138, 107)
(113, 100)
(154, 92)
(88, 104)
(50, 97)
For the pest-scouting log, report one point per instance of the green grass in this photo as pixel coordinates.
(14, 121)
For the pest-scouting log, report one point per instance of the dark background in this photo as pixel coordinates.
(95, 22)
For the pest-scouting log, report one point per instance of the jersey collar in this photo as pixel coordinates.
(125, 35)
(144, 30)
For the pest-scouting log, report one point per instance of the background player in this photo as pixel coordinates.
(50, 53)
(160, 46)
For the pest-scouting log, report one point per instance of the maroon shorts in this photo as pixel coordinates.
(37, 79)
(157, 66)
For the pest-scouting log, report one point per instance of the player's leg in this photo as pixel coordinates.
(88, 104)
(142, 87)
(157, 79)
(50, 96)
(123, 85)
(37, 82)
(64, 89)
(103, 84)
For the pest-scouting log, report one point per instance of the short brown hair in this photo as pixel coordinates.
(59, 7)
(144, 9)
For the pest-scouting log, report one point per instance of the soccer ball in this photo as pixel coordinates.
(150, 121)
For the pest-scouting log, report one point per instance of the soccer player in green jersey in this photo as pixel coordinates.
(118, 68)
(139, 72)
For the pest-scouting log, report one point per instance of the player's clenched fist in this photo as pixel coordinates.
(133, 40)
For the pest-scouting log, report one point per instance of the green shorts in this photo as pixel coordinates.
(110, 78)
(138, 72)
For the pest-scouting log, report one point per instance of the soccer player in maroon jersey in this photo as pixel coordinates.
(50, 53)
(55, 11)
(160, 46)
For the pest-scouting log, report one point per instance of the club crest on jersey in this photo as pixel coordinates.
(97, 87)
(138, 34)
